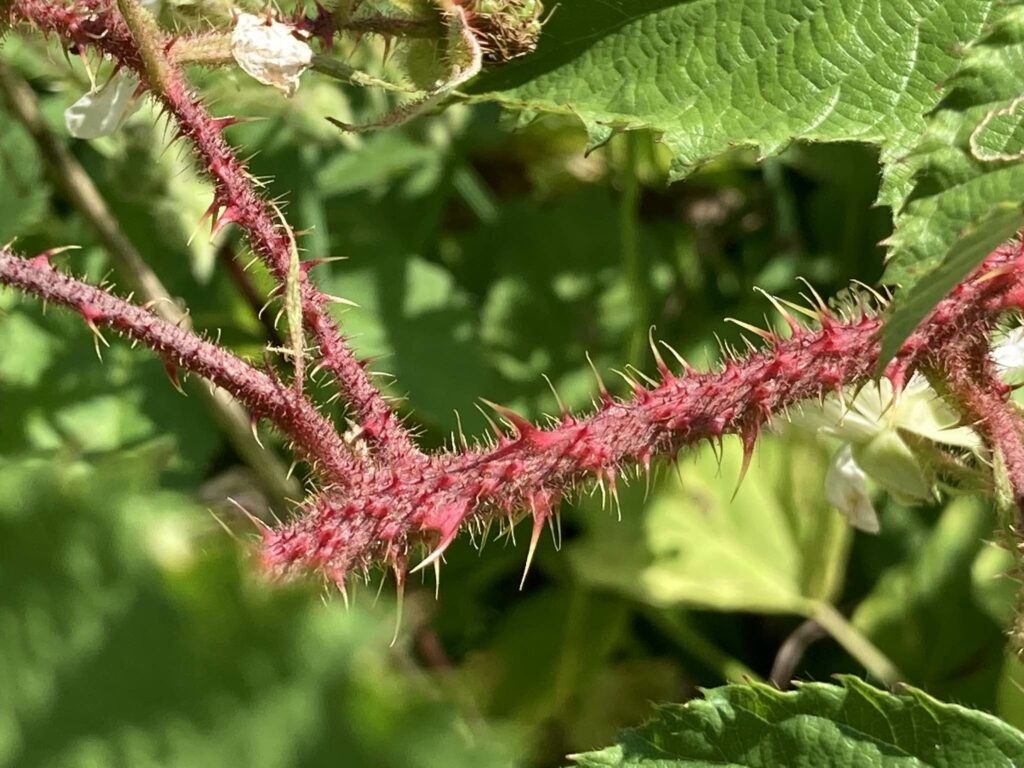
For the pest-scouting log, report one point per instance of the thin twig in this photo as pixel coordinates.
(266, 397)
(792, 651)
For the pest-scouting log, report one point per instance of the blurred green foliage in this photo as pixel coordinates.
(133, 629)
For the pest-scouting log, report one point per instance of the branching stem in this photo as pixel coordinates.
(266, 397)
(80, 191)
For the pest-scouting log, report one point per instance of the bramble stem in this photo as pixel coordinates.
(383, 498)
(79, 189)
(95, 23)
(384, 516)
(313, 435)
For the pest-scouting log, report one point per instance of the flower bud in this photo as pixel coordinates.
(876, 427)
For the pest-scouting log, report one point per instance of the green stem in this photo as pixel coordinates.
(695, 644)
(149, 40)
(633, 262)
(474, 192)
(339, 70)
(856, 644)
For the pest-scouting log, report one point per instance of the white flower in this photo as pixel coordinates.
(100, 113)
(1008, 354)
(846, 489)
(874, 409)
(269, 52)
(883, 433)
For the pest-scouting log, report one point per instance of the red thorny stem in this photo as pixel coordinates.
(97, 24)
(377, 512)
(264, 395)
(389, 511)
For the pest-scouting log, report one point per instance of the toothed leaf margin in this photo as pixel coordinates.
(818, 724)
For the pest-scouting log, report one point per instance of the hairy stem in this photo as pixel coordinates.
(384, 515)
(79, 189)
(236, 200)
(986, 405)
(383, 499)
(266, 397)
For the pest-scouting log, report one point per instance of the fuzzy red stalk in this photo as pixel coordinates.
(265, 396)
(387, 513)
(984, 402)
(378, 512)
(96, 23)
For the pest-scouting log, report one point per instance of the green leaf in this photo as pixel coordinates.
(1000, 136)
(974, 244)
(778, 547)
(711, 76)
(757, 726)
(966, 178)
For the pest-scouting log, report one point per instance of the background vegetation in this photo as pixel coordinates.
(483, 256)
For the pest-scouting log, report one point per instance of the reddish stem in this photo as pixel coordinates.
(984, 402)
(96, 23)
(265, 397)
(387, 512)
(376, 511)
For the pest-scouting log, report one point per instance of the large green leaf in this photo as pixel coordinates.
(968, 183)
(776, 547)
(719, 74)
(757, 726)
(957, 184)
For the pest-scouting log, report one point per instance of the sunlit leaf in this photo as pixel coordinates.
(758, 726)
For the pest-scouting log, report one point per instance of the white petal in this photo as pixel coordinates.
(920, 409)
(101, 113)
(1008, 354)
(269, 52)
(873, 410)
(846, 490)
